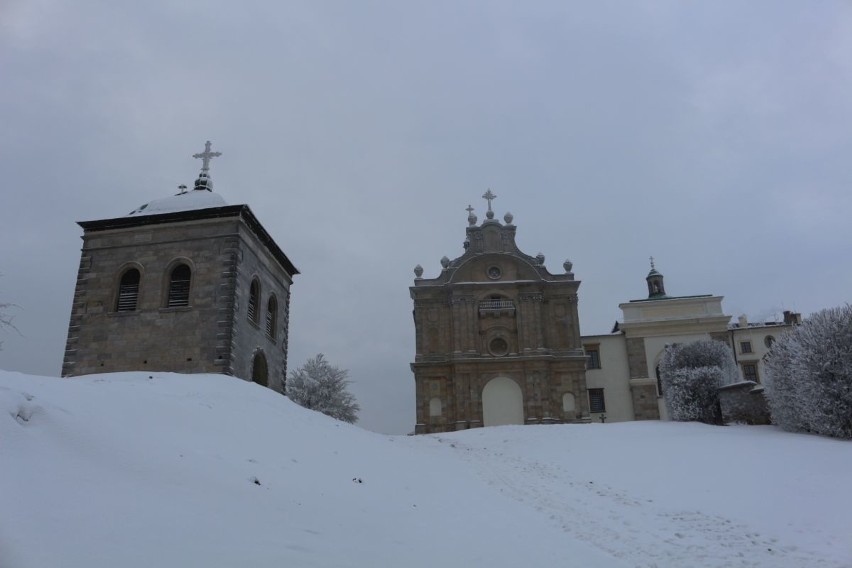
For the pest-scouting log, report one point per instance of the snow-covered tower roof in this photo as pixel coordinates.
(201, 196)
(196, 204)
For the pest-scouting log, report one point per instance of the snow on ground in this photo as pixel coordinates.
(141, 469)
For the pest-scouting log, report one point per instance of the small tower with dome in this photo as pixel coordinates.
(497, 336)
(656, 288)
(186, 283)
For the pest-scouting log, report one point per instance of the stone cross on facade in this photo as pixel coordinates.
(205, 157)
(469, 209)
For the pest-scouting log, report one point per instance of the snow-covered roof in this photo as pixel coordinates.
(187, 201)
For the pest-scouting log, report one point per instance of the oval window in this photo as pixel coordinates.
(498, 347)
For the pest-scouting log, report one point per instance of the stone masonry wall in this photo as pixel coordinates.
(153, 337)
(645, 401)
(636, 360)
(249, 338)
(742, 403)
(200, 338)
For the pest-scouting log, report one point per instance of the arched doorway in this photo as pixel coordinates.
(259, 370)
(502, 402)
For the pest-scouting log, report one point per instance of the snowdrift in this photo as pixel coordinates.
(142, 469)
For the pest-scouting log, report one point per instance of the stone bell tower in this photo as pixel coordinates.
(497, 337)
(187, 284)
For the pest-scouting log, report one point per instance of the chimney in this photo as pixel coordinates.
(743, 320)
(792, 318)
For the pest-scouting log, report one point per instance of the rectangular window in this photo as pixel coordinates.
(596, 400)
(745, 347)
(593, 357)
(750, 372)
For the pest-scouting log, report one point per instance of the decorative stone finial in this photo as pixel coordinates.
(652, 264)
(539, 258)
(204, 182)
(418, 271)
(508, 217)
(445, 262)
(471, 218)
(489, 197)
(567, 265)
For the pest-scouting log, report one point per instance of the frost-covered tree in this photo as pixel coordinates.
(809, 375)
(321, 386)
(691, 374)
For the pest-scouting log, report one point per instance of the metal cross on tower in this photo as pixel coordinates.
(488, 196)
(652, 264)
(205, 157)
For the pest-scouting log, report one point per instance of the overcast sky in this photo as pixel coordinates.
(715, 136)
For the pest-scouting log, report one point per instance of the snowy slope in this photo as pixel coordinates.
(138, 469)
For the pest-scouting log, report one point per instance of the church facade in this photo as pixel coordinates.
(186, 284)
(497, 337)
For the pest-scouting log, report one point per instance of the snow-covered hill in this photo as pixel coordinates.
(139, 470)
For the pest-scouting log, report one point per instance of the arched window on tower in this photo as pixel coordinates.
(128, 291)
(271, 316)
(254, 301)
(179, 282)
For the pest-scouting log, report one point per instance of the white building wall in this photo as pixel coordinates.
(613, 377)
(757, 335)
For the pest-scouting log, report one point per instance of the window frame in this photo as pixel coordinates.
(593, 394)
(756, 375)
(178, 292)
(593, 362)
(272, 317)
(253, 307)
(746, 347)
(121, 284)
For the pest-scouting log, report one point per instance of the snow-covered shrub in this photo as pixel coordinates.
(322, 387)
(691, 374)
(809, 375)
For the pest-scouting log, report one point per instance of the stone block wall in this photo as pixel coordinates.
(152, 337)
(644, 394)
(248, 338)
(636, 359)
(204, 337)
(744, 403)
(459, 387)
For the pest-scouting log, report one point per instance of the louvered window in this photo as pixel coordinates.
(254, 295)
(128, 291)
(179, 287)
(271, 316)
